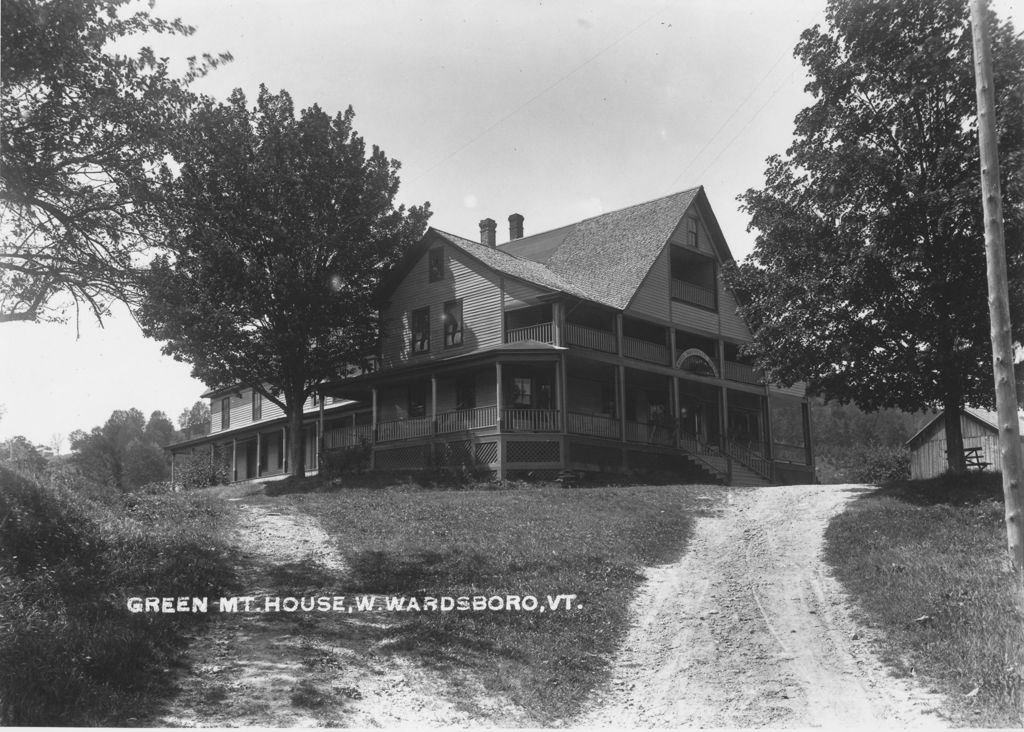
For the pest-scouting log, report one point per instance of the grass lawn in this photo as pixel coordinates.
(925, 562)
(591, 543)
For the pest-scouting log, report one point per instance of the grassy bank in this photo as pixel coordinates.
(72, 653)
(925, 562)
(591, 543)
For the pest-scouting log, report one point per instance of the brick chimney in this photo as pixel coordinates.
(515, 227)
(488, 232)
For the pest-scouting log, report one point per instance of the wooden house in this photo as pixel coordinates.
(981, 443)
(610, 345)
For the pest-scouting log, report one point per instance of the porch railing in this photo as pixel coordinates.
(542, 332)
(751, 455)
(645, 350)
(460, 420)
(790, 453)
(651, 434)
(597, 340)
(742, 372)
(347, 436)
(402, 429)
(531, 420)
(693, 294)
(598, 425)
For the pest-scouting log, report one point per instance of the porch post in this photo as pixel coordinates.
(557, 316)
(172, 469)
(675, 402)
(373, 427)
(284, 449)
(621, 383)
(805, 412)
(769, 428)
(433, 404)
(258, 458)
(498, 401)
(320, 432)
(561, 402)
(618, 333)
(672, 346)
(234, 459)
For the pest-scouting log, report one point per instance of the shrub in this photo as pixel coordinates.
(346, 460)
(72, 653)
(202, 469)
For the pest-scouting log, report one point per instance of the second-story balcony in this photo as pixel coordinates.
(693, 294)
(742, 372)
(592, 338)
(541, 332)
(644, 350)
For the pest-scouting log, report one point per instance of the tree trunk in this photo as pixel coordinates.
(954, 436)
(296, 455)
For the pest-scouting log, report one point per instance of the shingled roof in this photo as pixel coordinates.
(609, 255)
(603, 259)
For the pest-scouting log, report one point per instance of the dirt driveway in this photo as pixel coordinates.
(749, 629)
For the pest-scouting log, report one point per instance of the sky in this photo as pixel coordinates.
(557, 110)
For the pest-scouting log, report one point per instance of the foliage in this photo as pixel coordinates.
(21, 456)
(281, 230)
(72, 654)
(83, 132)
(345, 460)
(202, 469)
(126, 452)
(868, 275)
(925, 562)
(195, 416)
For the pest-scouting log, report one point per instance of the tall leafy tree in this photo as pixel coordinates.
(84, 129)
(868, 274)
(195, 416)
(284, 226)
(126, 452)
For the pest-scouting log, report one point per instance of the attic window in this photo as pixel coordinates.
(691, 232)
(436, 264)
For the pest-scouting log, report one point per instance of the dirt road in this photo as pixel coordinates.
(311, 669)
(748, 629)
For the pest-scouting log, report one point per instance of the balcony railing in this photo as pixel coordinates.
(460, 420)
(693, 294)
(741, 372)
(790, 453)
(651, 434)
(543, 332)
(645, 350)
(402, 429)
(347, 436)
(597, 340)
(531, 420)
(598, 425)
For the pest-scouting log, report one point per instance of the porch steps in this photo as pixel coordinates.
(744, 476)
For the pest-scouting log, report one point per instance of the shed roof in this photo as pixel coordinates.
(986, 417)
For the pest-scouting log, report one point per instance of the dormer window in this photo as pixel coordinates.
(435, 261)
(691, 232)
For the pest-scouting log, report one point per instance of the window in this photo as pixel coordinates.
(417, 399)
(453, 323)
(257, 406)
(522, 392)
(436, 264)
(420, 325)
(225, 413)
(465, 392)
(691, 232)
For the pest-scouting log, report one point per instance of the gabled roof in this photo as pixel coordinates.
(609, 255)
(986, 417)
(603, 259)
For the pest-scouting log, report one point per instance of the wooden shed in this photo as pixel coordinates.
(981, 438)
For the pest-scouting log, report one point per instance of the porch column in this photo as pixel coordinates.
(561, 403)
(618, 333)
(433, 404)
(258, 458)
(805, 412)
(320, 432)
(769, 430)
(672, 347)
(621, 384)
(284, 449)
(500, 406)
(725, 419)
(675, 400)
(234, 459)
(557, 317)
(373, 427)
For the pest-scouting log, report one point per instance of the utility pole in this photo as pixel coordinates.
(998, 296)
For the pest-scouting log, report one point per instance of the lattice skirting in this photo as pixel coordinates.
(398, 458)
(533, 451)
